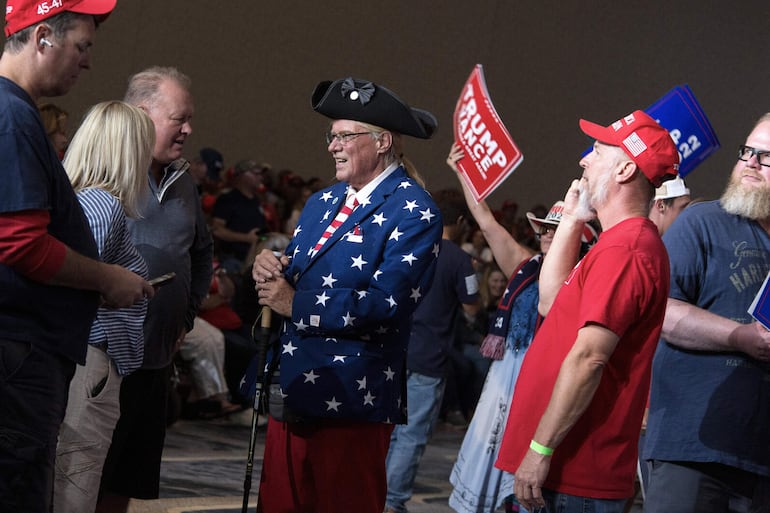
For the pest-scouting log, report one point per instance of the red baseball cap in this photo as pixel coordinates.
(20, 14)
(647, 143)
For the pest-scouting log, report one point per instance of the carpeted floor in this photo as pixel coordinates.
(204, 466)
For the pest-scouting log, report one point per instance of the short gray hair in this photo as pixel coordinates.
(143, 86)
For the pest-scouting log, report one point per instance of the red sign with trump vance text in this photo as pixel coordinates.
(490, 153)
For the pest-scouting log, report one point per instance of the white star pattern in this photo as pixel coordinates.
(359, 262)
(427, 215)
(410, 258)
(364, 202)
(414, 249)
(326, 215)
(333, 405)
(348, 319)
(329, 281)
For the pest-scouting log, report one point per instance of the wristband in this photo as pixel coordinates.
(540, 449)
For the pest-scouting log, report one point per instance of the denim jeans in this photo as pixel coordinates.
(556, 502)
(407, 443)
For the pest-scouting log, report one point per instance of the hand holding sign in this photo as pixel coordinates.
(490, 153)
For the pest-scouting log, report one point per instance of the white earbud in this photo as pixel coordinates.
(45, 42)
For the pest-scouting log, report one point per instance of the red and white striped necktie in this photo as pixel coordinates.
(350, 205)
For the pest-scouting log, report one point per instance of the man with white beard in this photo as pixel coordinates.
(709, 422)
(573, 427)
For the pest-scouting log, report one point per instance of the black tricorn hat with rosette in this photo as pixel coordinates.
(361, 100)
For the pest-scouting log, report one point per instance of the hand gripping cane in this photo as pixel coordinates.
(262, 338)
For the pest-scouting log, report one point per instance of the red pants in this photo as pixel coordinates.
(324, 467)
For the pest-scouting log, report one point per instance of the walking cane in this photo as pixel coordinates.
(262, 338)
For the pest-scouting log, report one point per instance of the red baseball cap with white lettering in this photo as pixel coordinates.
(20, 14)
(647, 143)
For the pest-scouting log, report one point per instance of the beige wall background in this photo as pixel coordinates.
(254, 65)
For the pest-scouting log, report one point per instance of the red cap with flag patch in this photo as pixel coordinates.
(20, 14)
(647, 143)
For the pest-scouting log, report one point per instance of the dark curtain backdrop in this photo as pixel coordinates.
(254, 65)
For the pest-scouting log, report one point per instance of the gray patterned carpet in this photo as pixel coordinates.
(204, 465)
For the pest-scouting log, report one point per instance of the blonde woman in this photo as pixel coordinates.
(107, 162)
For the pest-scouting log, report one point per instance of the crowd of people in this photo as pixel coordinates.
(556, 339)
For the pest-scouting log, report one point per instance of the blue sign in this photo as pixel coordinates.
(679, 113)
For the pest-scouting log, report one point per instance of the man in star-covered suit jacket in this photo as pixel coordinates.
(347, 297)
(342, 352)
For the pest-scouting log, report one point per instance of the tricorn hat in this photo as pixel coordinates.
(361, 100)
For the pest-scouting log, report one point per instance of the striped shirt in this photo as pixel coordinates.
(119, 330)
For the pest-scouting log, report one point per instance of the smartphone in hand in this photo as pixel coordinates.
(161, 280)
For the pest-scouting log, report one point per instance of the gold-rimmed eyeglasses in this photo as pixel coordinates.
(344, 137)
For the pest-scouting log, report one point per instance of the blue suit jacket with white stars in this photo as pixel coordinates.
(343, 352)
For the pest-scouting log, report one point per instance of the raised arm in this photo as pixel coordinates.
(508, 253)
(564, 251)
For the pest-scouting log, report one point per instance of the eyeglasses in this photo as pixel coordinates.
(745, 153)
(545, 230)
(343, 138)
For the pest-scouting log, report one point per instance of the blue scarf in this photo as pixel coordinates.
(528, 271)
